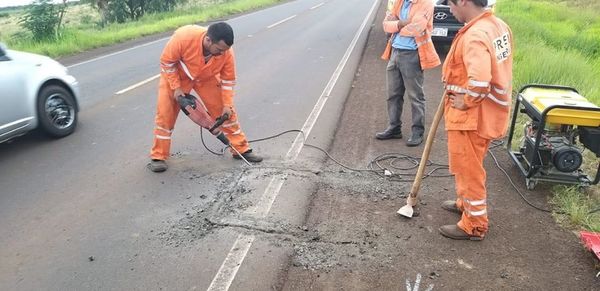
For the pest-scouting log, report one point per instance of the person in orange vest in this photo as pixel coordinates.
(199, 59)
(409, 51)
(477, 76)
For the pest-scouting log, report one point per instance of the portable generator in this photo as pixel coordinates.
(561, 125)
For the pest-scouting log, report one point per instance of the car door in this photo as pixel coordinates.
(14, 114)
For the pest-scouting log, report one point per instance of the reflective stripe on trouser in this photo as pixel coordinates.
(167, 110)
(466, 152)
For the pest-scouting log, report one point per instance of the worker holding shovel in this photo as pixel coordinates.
(477, 75)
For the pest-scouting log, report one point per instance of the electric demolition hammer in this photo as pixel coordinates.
(200, 116)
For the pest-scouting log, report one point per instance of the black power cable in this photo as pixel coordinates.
(393, 171)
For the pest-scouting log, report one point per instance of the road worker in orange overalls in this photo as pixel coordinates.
(477, 75)
(199, 59)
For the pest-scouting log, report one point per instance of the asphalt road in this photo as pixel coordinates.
(83, 213)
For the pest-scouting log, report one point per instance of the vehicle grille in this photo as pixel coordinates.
(442, 14)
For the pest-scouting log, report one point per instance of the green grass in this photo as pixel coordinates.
(574, 208)
(555, 44)
(559, 43)
(82, 38)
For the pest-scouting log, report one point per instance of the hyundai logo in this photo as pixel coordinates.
(440, 16)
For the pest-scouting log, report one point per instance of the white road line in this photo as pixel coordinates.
(281, 21)
(116, 53)
(232, 263)
(235, 258)
(317, 6)
(137, 85)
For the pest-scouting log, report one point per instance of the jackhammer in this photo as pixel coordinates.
(199, 115)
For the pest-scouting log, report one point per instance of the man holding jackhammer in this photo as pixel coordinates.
(477, 75)
(200, 59)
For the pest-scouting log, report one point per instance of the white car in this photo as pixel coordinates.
(35, 92)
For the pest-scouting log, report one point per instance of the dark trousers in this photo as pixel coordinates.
(405, 77)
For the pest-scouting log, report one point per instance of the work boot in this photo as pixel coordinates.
(249, 156)
(450, 205)
(454, 232)
(157, 166)
(389, 133)
(415, 140)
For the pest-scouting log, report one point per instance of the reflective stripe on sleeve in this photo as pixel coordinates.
(498, 101)
(499, 90)
(456, 89)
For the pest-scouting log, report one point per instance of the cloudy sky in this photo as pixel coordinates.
(6, 3)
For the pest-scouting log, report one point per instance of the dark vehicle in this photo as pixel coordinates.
(445, 25)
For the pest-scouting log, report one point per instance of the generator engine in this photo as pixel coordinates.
(562, 125)
(557, 151)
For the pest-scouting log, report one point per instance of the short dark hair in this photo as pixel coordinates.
(221, 31)
(480, 3)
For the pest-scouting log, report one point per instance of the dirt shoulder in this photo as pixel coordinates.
(365, 245)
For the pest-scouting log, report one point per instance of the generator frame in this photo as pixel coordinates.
(533, 173)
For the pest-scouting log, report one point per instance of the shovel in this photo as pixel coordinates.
(411, 201)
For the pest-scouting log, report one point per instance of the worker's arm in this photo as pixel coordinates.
(228, 79)
(169, 60)
(418, 24)
(478, 63)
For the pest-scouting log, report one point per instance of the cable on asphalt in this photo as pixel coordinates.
(394, 170)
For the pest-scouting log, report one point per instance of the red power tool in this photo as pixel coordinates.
(198, 114)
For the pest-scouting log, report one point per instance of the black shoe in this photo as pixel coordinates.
(249, 156)
(157, 166)
(415, 140)
(388, 134)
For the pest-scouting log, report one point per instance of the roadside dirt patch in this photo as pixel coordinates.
(372, 248)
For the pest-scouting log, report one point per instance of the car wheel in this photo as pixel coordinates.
(56, 111)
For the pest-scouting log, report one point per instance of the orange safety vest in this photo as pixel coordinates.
(419, 27)
(479, 65)
(182, 60)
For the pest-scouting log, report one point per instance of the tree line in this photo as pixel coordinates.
(44, 19)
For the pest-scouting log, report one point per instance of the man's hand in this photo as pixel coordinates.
(227, 110)
(402, 23)
(178, 92)
(457, 101)
(391, 17)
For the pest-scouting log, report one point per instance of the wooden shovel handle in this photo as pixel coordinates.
(430, 136)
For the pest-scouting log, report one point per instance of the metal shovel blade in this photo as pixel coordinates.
(406, 211)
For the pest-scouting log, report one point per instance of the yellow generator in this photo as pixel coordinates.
(561, 125)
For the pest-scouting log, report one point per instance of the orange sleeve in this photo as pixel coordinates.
(478, 63)
(169, 60)
(418, 23)
(228, 79)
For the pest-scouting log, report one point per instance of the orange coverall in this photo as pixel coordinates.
(478, 65)
(182, 66)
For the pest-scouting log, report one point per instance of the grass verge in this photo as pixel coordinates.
(74, 40)
(559, 43)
